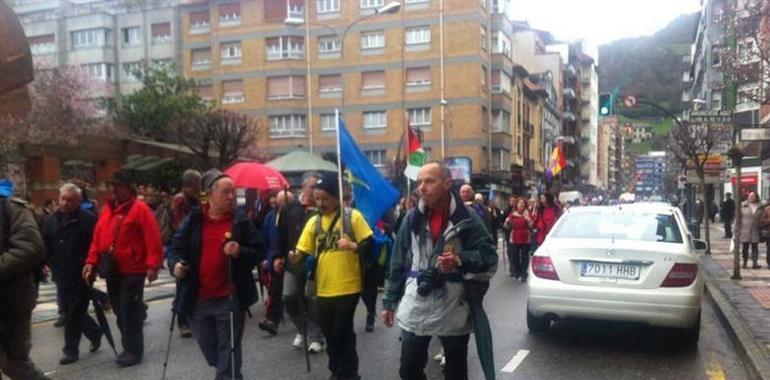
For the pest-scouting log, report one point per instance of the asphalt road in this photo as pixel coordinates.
(570, 350)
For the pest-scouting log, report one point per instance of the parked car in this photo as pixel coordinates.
(631, 262)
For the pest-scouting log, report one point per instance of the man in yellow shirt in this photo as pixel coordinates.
(336, 245)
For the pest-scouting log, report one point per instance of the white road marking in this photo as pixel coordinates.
(515, 361)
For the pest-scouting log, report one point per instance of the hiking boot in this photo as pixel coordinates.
(299, 341)
(68, 359)
(269, 326)
(184, 331)
(127, 359)
(316, 347)
(370, 322)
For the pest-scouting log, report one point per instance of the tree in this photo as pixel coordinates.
(61, 113)
(220, 135)
(164, 98)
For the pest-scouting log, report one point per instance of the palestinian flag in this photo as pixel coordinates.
(415, 155)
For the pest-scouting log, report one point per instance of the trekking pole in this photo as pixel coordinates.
(168, 344)
(228, 237)
(305, 316)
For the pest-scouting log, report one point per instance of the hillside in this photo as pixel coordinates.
(649, 67)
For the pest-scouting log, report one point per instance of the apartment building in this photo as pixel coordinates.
(583, 87)
(379, 70)
(109, 39)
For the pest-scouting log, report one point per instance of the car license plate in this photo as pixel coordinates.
(609, 270)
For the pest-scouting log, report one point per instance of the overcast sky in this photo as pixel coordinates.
(600, 21)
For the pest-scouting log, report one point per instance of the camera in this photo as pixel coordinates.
(429, 280)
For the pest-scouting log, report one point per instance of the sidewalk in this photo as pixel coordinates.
(744, 304)
(46, 309)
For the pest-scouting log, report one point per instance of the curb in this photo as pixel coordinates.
(752, 353)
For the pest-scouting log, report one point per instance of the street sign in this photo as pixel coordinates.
(708, 117)
(629, 101)
(755, 134)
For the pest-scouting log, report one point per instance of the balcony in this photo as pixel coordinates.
(569, 93)
(570, 70)
(586, 115)
(568, 116)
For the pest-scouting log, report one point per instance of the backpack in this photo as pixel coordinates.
(164, 218)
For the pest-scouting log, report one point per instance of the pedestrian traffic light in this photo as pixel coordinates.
(605, 104)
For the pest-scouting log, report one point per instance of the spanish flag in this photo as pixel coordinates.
(556, 163)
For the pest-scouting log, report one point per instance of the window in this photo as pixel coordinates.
(199, 22)
(500, 159)
(286, 87)
(483, 37)
(378, 158)
(165, 63)
(328, 123)
(716, 55)
(747, 52)
(161, 33)
(418, 35)
(330, 83)
(201, 58)
(44, 44)
(716, 101)
(501, 44)
(232, 92)
(130, 71)
(420, 117)
(328, 44)
(375, 120)
(368, 4)
(231, 53)
(416, 1)
(206, 92)
(290, 47)
(418, 76)
(373, 40)
(91, 38)
(100, 71)
(372, 80)
(483, 78)
(501, 82)
(328, 6)
(286, 126)
(501, 121)
(229, 14)
(131, 36)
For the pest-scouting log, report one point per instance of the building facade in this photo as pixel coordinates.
(650, 175)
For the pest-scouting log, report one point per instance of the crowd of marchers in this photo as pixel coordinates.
(432, 257)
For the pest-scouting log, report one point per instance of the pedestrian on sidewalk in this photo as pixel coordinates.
(336, 239)
(67, 235)
(21, 253)
(215, 242)
(764, 232)
(182, 205)
(545, 215)
(750, 218)
(302, 308)
(440, 255)
(274, 302)
(128, 232)
(727, 214)
(520, 224)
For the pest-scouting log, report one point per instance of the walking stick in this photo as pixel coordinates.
(305, 316)
(228, 237)
(168, 344)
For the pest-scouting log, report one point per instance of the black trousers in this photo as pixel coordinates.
(519, 258)
(728, 223)
(127, 298)
(414, 356)
(336, 319)
(373, 277)
(77, 322)
(15, 334)
(754, 252)
(274, 307)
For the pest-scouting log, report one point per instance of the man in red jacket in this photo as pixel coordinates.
(128, 228)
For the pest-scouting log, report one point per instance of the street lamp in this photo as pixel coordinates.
(389, 8)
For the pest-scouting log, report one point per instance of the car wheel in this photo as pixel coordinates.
(690, 337)
(536, 324)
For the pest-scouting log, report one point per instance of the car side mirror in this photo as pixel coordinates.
(699, 246)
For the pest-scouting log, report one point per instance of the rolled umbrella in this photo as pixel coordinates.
(96, 297)
(481, 330)
(253, 175)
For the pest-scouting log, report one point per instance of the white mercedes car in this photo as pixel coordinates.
(633, 263)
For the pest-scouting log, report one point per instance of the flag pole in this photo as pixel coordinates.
(408, 146)
(339, 164)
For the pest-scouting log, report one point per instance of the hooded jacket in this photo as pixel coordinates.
(445, 311)
(21, 254)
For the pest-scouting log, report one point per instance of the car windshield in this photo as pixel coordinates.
(619, 225)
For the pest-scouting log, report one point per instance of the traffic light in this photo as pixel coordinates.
(605, 104)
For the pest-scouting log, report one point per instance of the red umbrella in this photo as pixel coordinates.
(253, 175)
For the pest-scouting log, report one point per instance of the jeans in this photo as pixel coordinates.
(336, 318)
(127, 298)
(414, 356)
(210, 325)
(77, 322)
(301, 310)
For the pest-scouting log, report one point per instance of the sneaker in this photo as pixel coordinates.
(184, 331)
(443, 361)
(269, 326)
(299, 341)
(316, 347)
(439, 357)
(370, 322)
